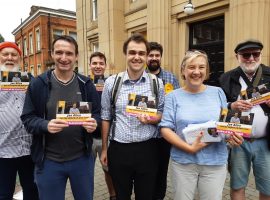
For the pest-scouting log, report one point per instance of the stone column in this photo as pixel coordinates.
(247, 19)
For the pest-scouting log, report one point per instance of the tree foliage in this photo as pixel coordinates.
(1, 38)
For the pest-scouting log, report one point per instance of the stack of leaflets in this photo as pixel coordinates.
(14, 81)
(235, 122)
(75, 113)
(139, 105)
(208, 129)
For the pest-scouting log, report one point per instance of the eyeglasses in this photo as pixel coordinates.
(248, 55)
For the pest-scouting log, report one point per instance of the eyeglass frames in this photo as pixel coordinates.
(248, 55)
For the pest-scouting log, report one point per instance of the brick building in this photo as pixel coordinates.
(35, 34)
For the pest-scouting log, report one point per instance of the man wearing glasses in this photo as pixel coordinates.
(253, 151)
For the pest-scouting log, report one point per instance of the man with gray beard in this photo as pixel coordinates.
(15, 142)
(253, 151)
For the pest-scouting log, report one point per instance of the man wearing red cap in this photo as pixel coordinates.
(15, 142)
(253, 151)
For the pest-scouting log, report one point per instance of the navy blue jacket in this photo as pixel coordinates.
(34, 116)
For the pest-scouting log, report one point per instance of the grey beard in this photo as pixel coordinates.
(14, 69)
(248, 71)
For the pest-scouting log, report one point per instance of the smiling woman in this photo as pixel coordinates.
(194, 70)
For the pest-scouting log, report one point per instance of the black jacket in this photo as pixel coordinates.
(230, 84)
(34, 116)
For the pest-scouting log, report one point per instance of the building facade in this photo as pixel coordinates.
(36, 34)
(216, 26)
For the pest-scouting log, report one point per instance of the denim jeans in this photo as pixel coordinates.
(52, 178)
(9, 167)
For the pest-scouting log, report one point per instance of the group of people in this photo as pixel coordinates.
(134, 151)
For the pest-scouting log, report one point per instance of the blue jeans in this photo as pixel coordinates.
(52, 178)
(9, 167)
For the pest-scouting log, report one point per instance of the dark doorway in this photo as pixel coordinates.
(208, 35)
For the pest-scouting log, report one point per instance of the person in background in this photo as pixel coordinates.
(97, 66)
(198, 165)
(15, 141)
(253, 152)
(170, 83)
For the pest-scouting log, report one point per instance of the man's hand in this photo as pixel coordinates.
(144, 118)
(235, 139)
(267, 103)
(103, 158)
(56, 125)
(241, 105)
(90, 125)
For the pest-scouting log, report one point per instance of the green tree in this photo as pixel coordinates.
(1, 38)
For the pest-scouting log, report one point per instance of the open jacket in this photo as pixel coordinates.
(230, 84)
(34, 116)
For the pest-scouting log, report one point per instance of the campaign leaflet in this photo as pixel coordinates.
(138, 105)
(235, 122)
(99, 82)
(257, 95)
(14, 81)
(75, 113)
(207, 129)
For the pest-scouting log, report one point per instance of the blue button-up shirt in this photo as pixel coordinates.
(128, 128)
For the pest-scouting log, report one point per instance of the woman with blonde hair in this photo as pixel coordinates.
(197, 165)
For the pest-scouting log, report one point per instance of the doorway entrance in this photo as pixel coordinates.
(208, 35)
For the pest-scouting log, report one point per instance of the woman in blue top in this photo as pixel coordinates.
(200, 164)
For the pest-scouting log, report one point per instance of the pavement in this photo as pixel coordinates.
(101, 192)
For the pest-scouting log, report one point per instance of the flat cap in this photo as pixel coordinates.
(248, 44)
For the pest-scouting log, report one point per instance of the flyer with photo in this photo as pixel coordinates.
(138, 104)
(235, 122)
(257, 95)
(208, 129)
(99, 82)
(14, 81)
(75, 113)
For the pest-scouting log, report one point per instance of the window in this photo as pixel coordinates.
(94, 10)
(38, 69)
(25, 46)
(19, 45)
(32, 69)
(95, 46)
(57, 33)
(31, 44)
(73, 34)
(37, 40)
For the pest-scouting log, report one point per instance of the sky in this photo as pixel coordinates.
(12, 11)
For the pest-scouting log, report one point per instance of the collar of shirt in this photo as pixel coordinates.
(126, 78)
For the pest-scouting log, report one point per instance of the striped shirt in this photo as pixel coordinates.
(128, 128)
(14, 140)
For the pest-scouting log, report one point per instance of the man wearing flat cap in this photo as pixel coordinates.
(14, 140)
(253, 151)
